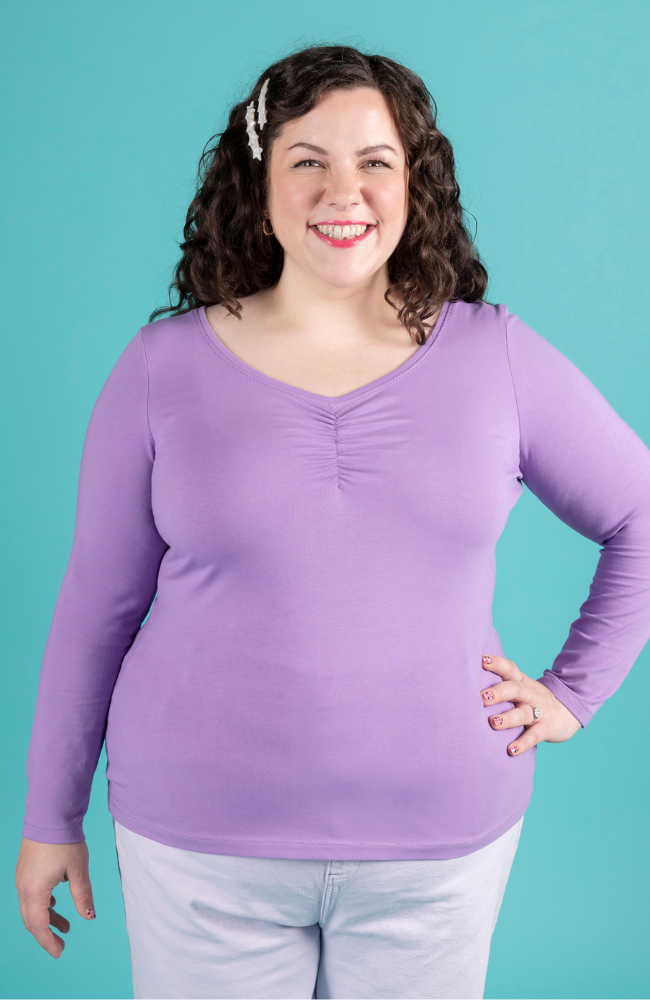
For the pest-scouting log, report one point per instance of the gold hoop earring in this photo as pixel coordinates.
(264, 220)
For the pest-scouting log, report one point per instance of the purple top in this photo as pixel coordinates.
(307, 683)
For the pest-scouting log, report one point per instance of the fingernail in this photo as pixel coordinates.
(514, 748)
(90, 913)
(497, 720)
(487, 659)
(488, 695)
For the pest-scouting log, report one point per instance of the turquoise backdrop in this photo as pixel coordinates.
(107, 107)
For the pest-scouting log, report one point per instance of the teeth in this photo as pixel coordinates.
(341, 232)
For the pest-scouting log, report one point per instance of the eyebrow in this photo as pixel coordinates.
(360, 152)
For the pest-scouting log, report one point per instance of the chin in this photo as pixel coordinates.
(346, 274)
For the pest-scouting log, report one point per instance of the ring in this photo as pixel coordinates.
(537, 712)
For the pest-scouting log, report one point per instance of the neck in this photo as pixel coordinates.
(325, 314)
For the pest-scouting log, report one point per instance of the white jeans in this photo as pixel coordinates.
(217, 926)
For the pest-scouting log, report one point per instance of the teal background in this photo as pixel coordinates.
(107, 108)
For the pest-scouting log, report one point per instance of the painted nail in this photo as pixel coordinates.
(497, 720)
(90, 913)
(514, 748)
(488, 695)
(487, 659)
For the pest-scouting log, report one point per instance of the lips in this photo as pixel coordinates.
(339, 226)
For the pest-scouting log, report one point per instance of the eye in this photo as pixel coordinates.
(308, 163)
(377, 163)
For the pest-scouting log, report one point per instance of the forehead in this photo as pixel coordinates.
(360, 117)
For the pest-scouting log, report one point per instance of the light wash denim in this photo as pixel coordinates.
(217, 926)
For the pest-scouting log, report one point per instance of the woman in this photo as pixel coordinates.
(319, 758)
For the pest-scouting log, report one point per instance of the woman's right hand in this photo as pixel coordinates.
(41, 867)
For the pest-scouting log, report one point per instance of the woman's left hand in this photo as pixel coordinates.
(555, 723)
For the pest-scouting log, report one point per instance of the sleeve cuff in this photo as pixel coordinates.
(582, 712)
(53, 834)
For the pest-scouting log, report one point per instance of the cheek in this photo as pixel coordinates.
(389, 199)
(292, 202)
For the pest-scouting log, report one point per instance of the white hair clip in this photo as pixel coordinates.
(261, 105)
(253, 141)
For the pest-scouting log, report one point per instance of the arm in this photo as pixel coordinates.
(107, 590)
(590, 468)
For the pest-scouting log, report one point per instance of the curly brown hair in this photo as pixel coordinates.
(226, 255)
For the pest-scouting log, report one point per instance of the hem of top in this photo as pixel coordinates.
(340, 851)
(331, 402)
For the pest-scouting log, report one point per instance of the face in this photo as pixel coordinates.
(338, 183)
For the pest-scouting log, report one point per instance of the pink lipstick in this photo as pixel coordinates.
(335, 232)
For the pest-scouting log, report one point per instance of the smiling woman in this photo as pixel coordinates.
(350, 193)
(340, 115)
(372, 188)
(319, 758)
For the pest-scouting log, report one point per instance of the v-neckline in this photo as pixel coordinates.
(295, 390)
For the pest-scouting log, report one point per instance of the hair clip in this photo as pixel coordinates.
(253, 141)
(261, 105)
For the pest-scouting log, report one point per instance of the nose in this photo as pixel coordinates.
(343, 189)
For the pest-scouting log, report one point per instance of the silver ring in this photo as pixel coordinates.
(537, 713)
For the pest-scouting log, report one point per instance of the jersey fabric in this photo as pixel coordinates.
(318, 575)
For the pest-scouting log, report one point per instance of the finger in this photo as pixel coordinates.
(522, 716)
(59, 921)
(37, 922)
(81, 891)
(503, 691)
(528, 739)
(501, 666)
(58, 944)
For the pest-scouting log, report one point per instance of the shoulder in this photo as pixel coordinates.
(476, 330)
(480, 313)
(478, 318)
(169, 334)
(174, 346)
(494, 321)
(173, 350)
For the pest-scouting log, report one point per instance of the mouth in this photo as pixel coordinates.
(343, 234)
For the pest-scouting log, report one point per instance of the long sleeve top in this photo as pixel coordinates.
(315, 575)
